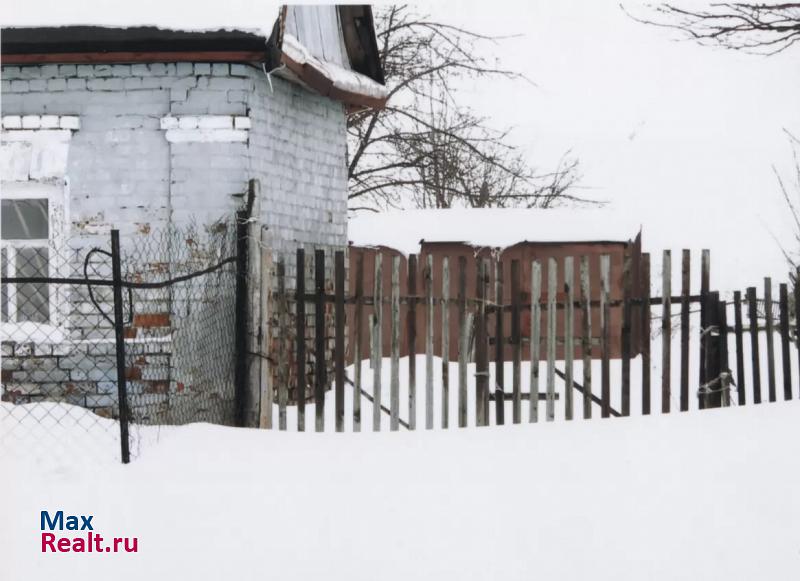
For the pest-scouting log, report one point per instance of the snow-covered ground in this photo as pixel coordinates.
(704, 495)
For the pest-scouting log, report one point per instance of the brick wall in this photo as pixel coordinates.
(123, 172)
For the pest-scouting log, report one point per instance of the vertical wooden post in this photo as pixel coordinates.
(645, 334)
(724, 366)
(283, 356)
(320, 359)
(626, 334)
(752, 316)
(784, 331)
(481, 353)
(605, 337)
(705, 277)
(429, 315)
(445, 342)
(499, 345)
(666, 330)
(394, 385)
(463, 342)
(516, 342)
(552, 313)
(586, 338)
(685, 293)
(536, 338)
(569, 332)
(711, 391)
(740, 378)
(339, 325)
(358, 348)
(412, 342)
(377, 342)
(300, 288)
(770, 329)
(265, 332)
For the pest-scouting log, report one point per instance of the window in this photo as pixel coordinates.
(33, 224)
(25, 252)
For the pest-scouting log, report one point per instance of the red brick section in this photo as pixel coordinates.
(129, 332)
(146, 320)
(7, 375)
(133, 373)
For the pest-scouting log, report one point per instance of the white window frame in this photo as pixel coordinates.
(55, 189)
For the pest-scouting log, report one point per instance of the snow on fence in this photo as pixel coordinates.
(528, 342)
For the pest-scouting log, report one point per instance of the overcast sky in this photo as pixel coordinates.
(678, 136)
(681, 136)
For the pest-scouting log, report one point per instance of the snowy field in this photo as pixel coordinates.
(703, 495)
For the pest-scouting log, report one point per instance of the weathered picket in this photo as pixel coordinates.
(587, 313)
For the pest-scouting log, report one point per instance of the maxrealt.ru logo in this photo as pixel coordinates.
(87, 541)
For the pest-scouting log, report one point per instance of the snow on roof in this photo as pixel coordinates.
(245, 15)
(342, 78)
(496, 227)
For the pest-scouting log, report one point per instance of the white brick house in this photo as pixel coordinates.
(137, 128)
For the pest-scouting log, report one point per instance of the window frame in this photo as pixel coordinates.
(55, 330)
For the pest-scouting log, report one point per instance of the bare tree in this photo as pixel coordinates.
(762, 28)
(427, 149)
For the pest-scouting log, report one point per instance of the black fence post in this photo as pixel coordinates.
(119, 339)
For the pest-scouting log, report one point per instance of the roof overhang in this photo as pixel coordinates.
(358, 87)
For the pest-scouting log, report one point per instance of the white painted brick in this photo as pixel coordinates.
(49, 121)
(202, 68)
(31, 122)
(216, 122)
(205, 135)
(220, 69)
(169, 123)
(187, 122)
(12, 122)
(69, 122)
(242, 123)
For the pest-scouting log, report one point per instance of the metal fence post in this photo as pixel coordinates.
(119, 337)
(240, 324)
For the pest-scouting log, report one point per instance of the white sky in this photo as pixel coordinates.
(681, 136)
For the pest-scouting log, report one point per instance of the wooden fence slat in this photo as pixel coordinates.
(685, 293)
(605, 335)
(429, 315)
(516, 342)
(481, 347)
(552, 288)
(283, 359)
(339, 326)
(724, 375)
(626, 335)
(705, 282)
(737, 321)
(783, 300)
(320, 360)
(377, 342)
(499, 345)
(752, 312)
(536, 339)
(770, 339)
(586, 337)
(569, 332)
(412, 342)
(394, 385)
(666, 331)
(463, 342)
(300, 287)
(445, 342)
(645, 334)
(265, 334)
(359, 342)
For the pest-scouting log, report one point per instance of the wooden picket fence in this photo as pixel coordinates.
(559, 319)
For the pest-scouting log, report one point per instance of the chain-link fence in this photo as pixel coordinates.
(101, 334)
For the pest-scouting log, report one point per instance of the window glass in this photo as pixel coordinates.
(33, 299)
(25, 219)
